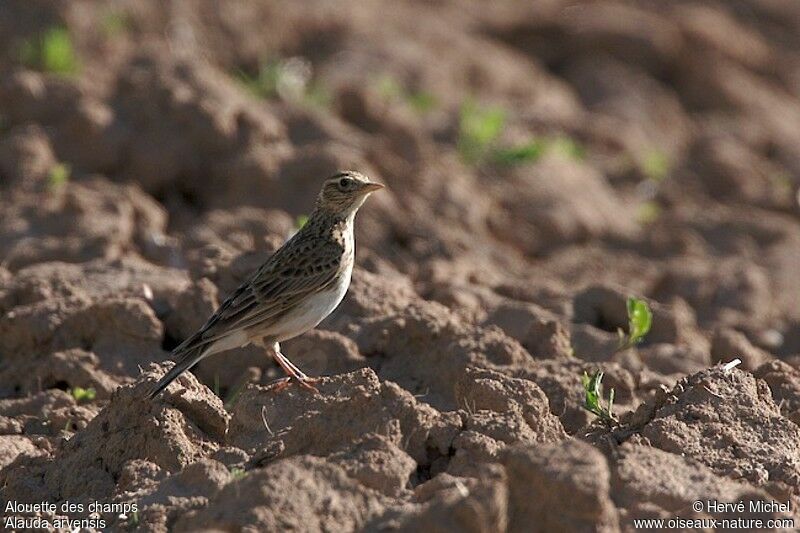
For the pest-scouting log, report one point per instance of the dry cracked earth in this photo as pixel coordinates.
(184, 141)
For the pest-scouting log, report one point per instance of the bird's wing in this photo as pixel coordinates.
(287, 278)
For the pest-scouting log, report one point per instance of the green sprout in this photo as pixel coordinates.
(300, 221)
(593, 387)
(534, 149)
(567, 147)
(288, 79)
(478, 129)
(528, 152)
(265, 83)
(232, 395)
(648, 212)
(422, 102)
(82, 395)
(655, 165)
(640, 319)
(51, 52)
(216, 386)
(58, 175)
(390, 89)
(237, 473)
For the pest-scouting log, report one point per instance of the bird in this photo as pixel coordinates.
(299, 285)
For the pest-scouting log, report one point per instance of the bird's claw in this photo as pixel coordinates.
(279, 385)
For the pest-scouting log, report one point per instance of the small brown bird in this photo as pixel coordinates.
(297, 287)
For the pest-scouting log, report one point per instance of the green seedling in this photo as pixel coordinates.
(640, 319)
(237, 473)
(648, 212)
(59, 175)
(390, 89)
(478, 129)
(533, 150)
(529, 152)
(232, 396)
(51, 52)
(567, 147)
(83, 395)
(265, 83)
(300, 221)
(655, 165)
(593, 387)
(422, 102)
(288, 79)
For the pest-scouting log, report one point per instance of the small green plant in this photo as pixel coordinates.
(593, 388)
(58, 175)
(232, 396)
(420, 101)
(83, 395)
(533, 150)
(640, 319)
(288, 79)
(216, 386)
(300, 221)
(52, 52)
(265, 83)
(238, 473)
(648, 212)
(529, 152)
(478, 129)
(567, 147)
(133, 518)
(388, 87)
(655, 165)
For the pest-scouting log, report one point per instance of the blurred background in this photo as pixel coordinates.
(529, 148)
(544, 161)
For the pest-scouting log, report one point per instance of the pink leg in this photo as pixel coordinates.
(294, 374)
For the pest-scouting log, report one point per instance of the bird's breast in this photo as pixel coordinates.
(315, 308)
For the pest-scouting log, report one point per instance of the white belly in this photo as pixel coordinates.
(313, 310)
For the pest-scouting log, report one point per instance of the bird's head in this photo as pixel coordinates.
(343, 193)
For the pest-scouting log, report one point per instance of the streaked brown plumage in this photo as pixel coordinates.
(297, 287)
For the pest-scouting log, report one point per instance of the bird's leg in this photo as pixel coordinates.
(279, 384)
(293, 373)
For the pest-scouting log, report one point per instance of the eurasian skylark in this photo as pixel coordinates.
(298, 286)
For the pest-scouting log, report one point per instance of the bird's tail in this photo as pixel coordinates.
(183, 363)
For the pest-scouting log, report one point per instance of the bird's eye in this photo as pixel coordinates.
(344, 183)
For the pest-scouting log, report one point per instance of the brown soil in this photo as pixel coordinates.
(452, 398)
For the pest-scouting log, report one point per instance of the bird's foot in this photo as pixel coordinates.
(308, 383)
(279, 385)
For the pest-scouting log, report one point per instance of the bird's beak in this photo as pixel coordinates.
(371, 186)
